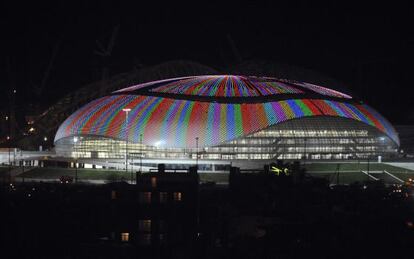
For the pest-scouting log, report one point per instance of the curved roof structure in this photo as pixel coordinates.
(231, 86)
(216, 109)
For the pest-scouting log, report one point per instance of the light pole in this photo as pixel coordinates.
(75, 140)
(382, 151)
(132, 169)
(8, 139)
(9, 118)
(22, 160)
(126, 110)
(76, 170)
(304, 139)
(196, 152)
(368, 167)
(141, 154)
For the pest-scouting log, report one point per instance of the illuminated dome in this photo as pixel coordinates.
(227, 117)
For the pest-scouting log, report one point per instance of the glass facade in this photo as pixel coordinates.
(226, 118)
(312, 138)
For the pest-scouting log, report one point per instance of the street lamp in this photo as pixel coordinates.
(132, 169)
(126, 110)
(368, 167)
(45, 142)
(8, 144)
(196, 152)
(141, 154)
(10, 120)
(75, 140)
(305, 155)
(382, 151)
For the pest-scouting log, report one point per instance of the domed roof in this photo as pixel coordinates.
(231, 86)
(216, 109)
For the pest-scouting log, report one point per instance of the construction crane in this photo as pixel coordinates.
(106, 52)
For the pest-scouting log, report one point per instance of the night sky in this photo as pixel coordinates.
(369, 48)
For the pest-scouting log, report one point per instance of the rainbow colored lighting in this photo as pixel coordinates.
(178, 122)
(231, 86)
(226, 86)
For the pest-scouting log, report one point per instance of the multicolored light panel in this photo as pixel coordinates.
(176, 123)
(225, 86)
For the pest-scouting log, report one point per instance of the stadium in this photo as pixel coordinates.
(226, 119)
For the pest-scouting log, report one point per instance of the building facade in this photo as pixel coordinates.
(226, 118)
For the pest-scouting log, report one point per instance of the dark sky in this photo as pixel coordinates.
(368, 47)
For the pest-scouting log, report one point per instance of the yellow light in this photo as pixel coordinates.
(177, 196)
(153, 182)
(125, 237)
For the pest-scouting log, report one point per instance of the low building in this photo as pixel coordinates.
(164, 210)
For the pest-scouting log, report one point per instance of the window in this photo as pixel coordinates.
(145, 197)
(144, 225)
(163, 197)
(177, 196)
(154, 182)
(125, 237)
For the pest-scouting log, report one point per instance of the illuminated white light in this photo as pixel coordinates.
(159, 143)
(126, 109)
(75, 139)
(45, 138)
(31, 129)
